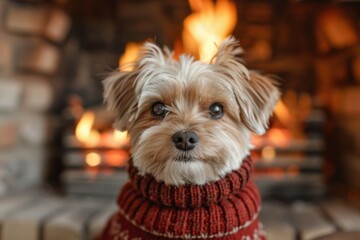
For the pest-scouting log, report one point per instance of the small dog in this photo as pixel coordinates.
(189, 123)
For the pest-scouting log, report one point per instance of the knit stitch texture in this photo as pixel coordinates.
(225, 209)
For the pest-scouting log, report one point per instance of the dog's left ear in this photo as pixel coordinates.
(256, 95)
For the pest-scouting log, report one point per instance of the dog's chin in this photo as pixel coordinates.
(189, 170)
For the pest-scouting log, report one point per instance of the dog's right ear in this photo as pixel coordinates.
(120, 97)
(122, 89)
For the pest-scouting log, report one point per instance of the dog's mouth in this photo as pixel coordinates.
(185, 158)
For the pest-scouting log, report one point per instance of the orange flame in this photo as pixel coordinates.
(84, 130)
(90, 137)
(121, 137)
(132, 50)
(207, 26)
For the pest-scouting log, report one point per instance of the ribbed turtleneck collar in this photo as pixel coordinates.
(191, 196)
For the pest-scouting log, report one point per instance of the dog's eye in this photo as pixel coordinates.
(159, 109)
(216, 110)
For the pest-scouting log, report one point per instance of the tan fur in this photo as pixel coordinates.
(188, 88)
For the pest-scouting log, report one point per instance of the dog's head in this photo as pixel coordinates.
(190, 121)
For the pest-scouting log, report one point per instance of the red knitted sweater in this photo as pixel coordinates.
(225, 209)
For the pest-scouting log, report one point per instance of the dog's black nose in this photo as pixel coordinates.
(185, 141)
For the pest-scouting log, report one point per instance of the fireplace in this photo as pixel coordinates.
(94, 161)
(292, 158)
(311, 47)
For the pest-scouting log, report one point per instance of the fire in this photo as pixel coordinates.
(90, 137)
(84, 130)
(208, 26)
(132, 50)
(121, 137)
(116, 158)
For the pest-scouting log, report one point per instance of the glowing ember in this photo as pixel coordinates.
(207, 26)
(131, 53)
(93, 159)
(268, 153)
(116, 158)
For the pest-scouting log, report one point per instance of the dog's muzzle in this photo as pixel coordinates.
(185, 141)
